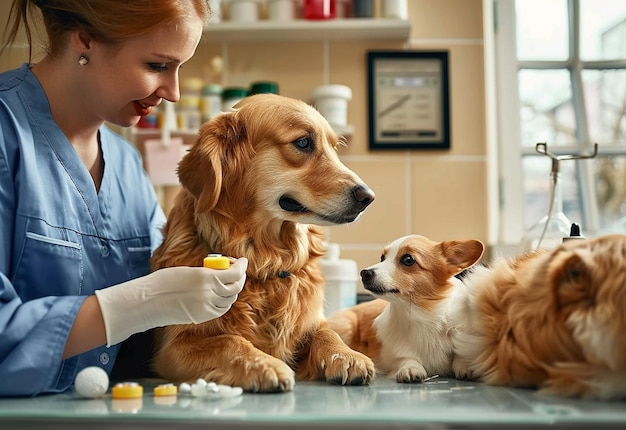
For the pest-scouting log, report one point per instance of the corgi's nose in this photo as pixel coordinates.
(367, 274)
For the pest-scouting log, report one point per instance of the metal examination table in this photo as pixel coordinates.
(438, 404)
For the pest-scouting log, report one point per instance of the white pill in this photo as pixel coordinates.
(91, 382)
(212, 390)
(198, 390)
(201, 381)
(226, 391)
(184, 388)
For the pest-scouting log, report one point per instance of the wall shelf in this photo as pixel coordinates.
(305, 30)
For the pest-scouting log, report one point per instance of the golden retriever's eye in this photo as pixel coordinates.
(304, 144)
(407, 260)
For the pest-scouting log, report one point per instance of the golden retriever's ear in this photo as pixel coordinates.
(202, 169)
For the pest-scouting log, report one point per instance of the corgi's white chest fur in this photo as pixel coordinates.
(416, 341)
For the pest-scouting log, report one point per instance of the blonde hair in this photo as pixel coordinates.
(107, 21)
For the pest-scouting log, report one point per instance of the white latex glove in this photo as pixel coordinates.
(174, 295)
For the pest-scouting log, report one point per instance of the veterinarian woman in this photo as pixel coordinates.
(78, 214)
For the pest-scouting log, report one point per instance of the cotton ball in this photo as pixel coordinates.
(91, 382)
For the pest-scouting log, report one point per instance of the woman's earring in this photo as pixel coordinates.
(83, 60)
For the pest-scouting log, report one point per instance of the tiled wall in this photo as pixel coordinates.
(440, 194)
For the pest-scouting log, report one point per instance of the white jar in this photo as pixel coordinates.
(340, 279)
(282, 10)
(397, 9)
(244, 10)
(332, 102)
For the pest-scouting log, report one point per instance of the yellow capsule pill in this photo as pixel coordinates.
(216, 261)
(165, 390)
(127, 390)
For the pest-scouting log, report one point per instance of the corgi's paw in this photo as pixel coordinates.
(411, 373)
(266, 375)
(348, 368)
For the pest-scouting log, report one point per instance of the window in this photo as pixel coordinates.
(561, 73)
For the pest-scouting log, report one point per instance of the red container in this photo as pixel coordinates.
(319, 9)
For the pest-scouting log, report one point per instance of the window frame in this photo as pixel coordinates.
(509, 145)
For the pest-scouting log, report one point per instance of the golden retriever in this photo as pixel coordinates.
(554, 320)
(407, 330)
(255, 183)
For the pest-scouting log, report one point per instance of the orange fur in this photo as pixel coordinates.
(355, 325)
(408, 330)
(549, 319)
(254, 183)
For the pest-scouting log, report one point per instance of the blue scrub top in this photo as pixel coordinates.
(59, 239)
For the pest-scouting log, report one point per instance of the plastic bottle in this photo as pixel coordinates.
(340, 277)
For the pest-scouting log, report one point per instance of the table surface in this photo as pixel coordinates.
(439, 403)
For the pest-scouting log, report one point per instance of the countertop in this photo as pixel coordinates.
(439, 403)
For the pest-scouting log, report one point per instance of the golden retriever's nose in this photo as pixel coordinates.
(363, 195)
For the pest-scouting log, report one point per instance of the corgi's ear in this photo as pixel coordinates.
(216, 155)
(462, 254)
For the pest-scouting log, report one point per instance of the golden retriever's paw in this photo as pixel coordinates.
(349, 368)
(265, 375)
(412, 373)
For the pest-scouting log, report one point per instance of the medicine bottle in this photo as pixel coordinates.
(188, 114)
(260, 87)
(231, 96)
(211, 102)
(319, 9)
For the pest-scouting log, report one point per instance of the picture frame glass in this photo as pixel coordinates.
(408, 100)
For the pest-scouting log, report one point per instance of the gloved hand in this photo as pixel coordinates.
(173, 295)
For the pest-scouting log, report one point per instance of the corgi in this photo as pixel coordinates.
(407, 329)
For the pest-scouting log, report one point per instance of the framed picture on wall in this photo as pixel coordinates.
(408, 100)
